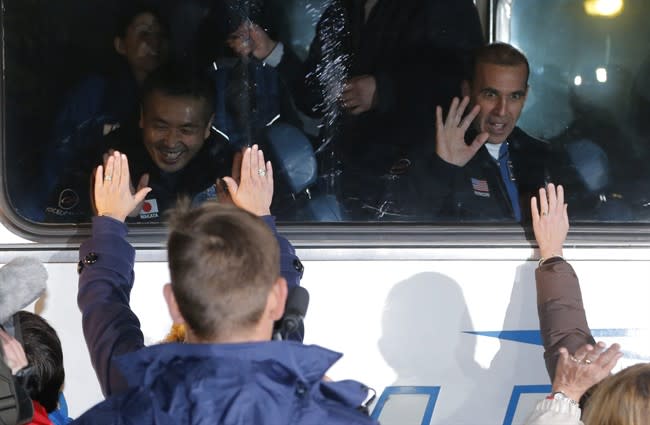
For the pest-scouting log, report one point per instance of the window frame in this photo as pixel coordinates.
(327, 236)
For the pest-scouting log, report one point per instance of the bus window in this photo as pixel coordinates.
(342, 99)
(589, 86)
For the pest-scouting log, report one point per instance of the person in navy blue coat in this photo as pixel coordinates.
(230, 274)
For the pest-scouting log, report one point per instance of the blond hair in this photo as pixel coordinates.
(176, 334)
(621, 399)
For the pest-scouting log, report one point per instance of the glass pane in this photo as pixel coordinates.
(589, 96)
(341, 94)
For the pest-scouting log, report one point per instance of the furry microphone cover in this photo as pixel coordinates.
(22, 281)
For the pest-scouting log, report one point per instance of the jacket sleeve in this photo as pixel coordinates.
(105, 281)
(562, 319)
(290, 266)
(438, 187)
(78, 124)
(300, 78)
(554, 412)
(80, 106)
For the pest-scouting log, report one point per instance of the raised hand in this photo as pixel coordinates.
(254, 191)
(223, 195)
(14, 355)
(550, 220)
(142, 183)
(359, 94)
(450, 133)
(113, 194)
(249, 39)
(576, 373)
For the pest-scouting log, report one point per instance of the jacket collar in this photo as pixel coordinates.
(307, 363)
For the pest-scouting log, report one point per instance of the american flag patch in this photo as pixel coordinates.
(480, 188)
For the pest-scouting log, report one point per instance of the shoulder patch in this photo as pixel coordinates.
(149, 209)
(480, 188)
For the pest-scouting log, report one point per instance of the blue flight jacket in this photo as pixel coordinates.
(275, 382)
(106, 278)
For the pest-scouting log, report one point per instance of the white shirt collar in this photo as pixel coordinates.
(493, 149)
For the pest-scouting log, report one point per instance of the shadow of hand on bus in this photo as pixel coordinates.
(426, 340)
(520, 359)
(423, 342)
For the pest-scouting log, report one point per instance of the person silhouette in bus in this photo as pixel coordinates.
(374, 72)
(604, 171)
(171, 150)
(140, 41)
(484, 166)
(101, 103)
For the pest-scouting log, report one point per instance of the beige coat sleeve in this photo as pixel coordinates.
(554, 412)
(562, 319)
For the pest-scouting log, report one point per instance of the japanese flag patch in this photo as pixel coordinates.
(149, 209)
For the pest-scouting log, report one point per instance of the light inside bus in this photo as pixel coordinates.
(607, 8)
(601, 75)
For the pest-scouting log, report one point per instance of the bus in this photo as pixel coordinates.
(438, 317)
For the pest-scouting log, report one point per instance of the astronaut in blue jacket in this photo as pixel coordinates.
(230, 274)
(101, 103)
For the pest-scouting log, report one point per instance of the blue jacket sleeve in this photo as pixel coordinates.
(81, 105)
(105, 281)
(290, 266)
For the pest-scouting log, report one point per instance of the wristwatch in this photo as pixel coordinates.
(559, 395)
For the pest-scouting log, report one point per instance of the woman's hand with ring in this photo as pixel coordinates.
(114, 197)
(575, 374)
(254, 191)
(550, 220)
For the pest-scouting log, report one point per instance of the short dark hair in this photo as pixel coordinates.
(178, 81)
(223, 262)
(128, 11)
(45, 356)
(498, 54)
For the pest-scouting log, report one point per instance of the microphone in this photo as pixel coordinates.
(22, 281)
(290, 326)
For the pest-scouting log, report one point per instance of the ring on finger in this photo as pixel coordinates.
(544, 213)
(261, 172)
(573, 359)
(587, 361)
(108, 177)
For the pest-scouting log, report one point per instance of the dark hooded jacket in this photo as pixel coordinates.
(236, 384)
(417, 50)
(476, 192)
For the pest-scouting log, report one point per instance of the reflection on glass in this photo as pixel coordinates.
(589, 94)
(608, 8)
(340, 94)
